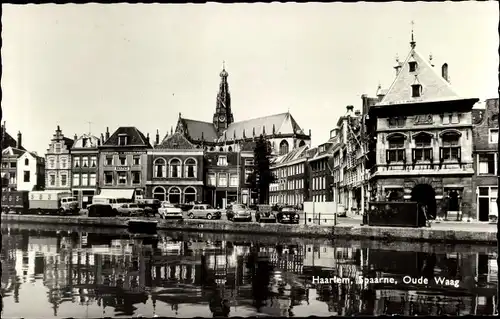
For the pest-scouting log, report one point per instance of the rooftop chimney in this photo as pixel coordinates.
(309, 132)
(349, 108)
(102, 138)
(444, 71)
(19, 140)
(157, 137)
(147, 137)
(357, 113)
(107, 133)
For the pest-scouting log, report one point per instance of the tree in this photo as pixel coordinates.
(261, 177)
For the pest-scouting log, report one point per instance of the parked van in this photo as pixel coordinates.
(114, 202)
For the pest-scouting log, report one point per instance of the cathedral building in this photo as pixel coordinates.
(223, 134)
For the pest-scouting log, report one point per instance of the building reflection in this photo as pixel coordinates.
(118, 272)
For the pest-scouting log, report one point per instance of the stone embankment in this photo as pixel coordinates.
(452, 235)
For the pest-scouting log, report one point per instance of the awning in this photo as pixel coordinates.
(117, 193)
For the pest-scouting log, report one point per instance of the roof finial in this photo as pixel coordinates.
(223, 64)
(412, 43)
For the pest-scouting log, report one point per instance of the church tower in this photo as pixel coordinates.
(223, 116)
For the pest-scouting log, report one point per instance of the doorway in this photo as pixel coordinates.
(425, 195)
(484, 209)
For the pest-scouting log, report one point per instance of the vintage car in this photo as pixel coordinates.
(287, 215)
(149, 205)
(101, 210)
(265, 214)
(239, 212)
(130, 209)
(168, 210)
(204, 211)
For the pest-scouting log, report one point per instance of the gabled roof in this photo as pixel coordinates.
(12, 151)
(136, 138)
(434, 87)
(92, 141)
(198, 130)
(9, 141)
(176, 141)
(295, 154)
(283, 123)
(68, 142)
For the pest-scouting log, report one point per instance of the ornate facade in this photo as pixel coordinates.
(58, 162)
(423, 133)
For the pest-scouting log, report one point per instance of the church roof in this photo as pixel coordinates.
(176, 141)
(136, 137)
(434, 86)
(198, 130)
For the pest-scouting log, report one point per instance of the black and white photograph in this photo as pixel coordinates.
(249, 159)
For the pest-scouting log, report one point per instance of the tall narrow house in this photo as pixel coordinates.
(58, 162)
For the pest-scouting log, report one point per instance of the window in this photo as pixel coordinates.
(233, 181)
(137, 160)
(159, 193)
(122, 139)
(393, 122)
(174, 195)
(423, 149)
(13, 165)
(92, 180)
(85, 161)
(416, 90)
(413, 66)
(122, 178)
(451, 148)
(26, 176)
(396, 151)
(109, 161)
(108, 178)
(52, 180)
(63, 163)
(222, 180)
(283, 147)
(249, 162)
(189, 195)
(12, 179)
(248, 172)
(5, 165)
(122, 160)
(57, 148)
(222, 160)
(76, 162)
(85, 179)
(26, 162)
(136, 177)
(493, 135)
(64, 179)
(175, 166)
(52, 163)
(76, 179)
(93, 161)
(84, 142)
(211, 179)
(486, 163)
(190, 167)
(160, 169)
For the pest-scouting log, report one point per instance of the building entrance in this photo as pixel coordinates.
(425, 196)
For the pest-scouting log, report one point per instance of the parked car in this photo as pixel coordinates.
(287, 215)
(168, 210)
(265, 214)
(101, 210)
(204, 211)
(239, 212)
(149, 205)
(130, 209)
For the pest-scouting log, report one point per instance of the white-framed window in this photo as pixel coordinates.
(63, 163)
(451, 146)
(92, 180)
(52, 180)
(396, 150)
(52, 163)
(85, 179)
(486, 163)
(233, 181)
(175, 168)
(222, 182)
(85, 161)
(211, 179)
(136, 160)
(93, 161)
(109, 160)
(190, 168)
(122, 139)
(76, 162)
(57, 148)
(64, 180)
(122, 178)
(249, 162)
(76, 179)
(222, 160)
(108, 178)
(493, 138)
(122, 160)
(160, 168)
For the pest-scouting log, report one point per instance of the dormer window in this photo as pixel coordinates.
(122, 139)
(84, 142)
(416, 90)
(413, 66)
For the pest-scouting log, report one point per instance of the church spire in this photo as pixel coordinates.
(223, 117)
(412, 42)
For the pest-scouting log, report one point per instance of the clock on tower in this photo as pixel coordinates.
(222, 118)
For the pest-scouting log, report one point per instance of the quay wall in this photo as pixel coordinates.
(308, 231)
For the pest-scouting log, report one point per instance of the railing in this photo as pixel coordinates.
(320, 219)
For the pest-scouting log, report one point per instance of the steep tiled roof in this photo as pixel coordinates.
(198, 130)
(295, 154)
(9, 141)
(68, 142)
(283, 123)
(13, 151)
(434, 87)
(175, 141)
(136, 138)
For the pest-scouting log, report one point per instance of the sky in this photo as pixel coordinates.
(140, 65)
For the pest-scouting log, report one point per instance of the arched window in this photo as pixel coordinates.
(396, 150)
(160, 168)
(159, 193)
(174, 195)
(190, 168)
(283, 147)
(189, 195)
(423, 148)
(212, 149)
(175, 168)
(229, 149)
(302, 143)
(26, 162)
(221, 149)
(451, 147)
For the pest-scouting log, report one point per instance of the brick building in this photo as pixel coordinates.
(485, 155)
(320, 161)
(423, 132)
(122, 158)
(175, 170)
(292, 184)
(58, 162)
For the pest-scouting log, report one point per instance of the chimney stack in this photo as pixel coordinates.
(349, 108)
(19, 140)
(157, 137)
(147, 137)
(76, 137)
(444, 71)
(107, 133)
(102, 138)
(309, 132)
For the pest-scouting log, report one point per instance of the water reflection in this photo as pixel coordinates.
(79, 274)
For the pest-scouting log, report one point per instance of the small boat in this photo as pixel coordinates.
(142, 226)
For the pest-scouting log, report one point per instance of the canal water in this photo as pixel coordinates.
(93, 273)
